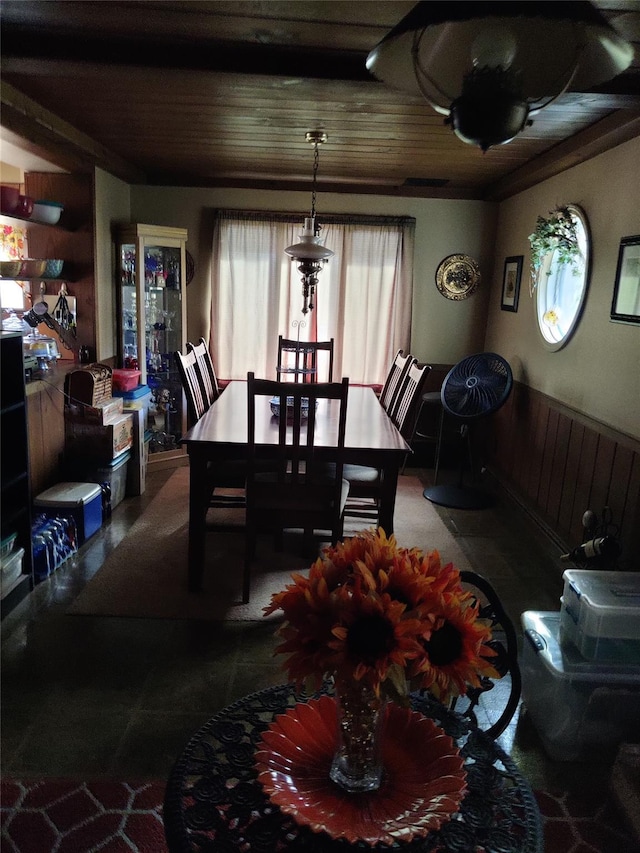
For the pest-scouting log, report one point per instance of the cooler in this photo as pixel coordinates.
(582, 710)
(600, 615)
(81, 500)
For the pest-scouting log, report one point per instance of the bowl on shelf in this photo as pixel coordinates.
(53, 268)
(32, 268)
(10, 269)
(46, 211)
(9, 197)
(24, 207)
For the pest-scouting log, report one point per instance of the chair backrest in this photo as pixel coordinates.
(304, 485)
(405, 412)
(303, 359)
(393, 383)
(190, 379)
(206, 370)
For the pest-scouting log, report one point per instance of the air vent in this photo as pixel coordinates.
(426, 182)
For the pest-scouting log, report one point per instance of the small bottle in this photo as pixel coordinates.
(601, 546)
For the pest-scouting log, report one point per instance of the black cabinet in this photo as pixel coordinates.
(15, 506)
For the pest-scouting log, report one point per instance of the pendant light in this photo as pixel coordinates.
(488, 66)
(309, 253)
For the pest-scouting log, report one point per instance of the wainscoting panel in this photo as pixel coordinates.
(558, 463)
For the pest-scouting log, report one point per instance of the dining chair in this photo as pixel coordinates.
(304, 488)
(197, 404)
(300, 359)
(365, 482)
(226, 480)
(206, 370)
(395, 378)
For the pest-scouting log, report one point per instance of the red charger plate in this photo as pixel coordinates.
(422, 786)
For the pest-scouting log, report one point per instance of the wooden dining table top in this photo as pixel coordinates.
(368, 427)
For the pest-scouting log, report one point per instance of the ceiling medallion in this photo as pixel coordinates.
(457, 276)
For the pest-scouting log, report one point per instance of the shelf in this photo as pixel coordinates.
(10, 217)
(34, 278)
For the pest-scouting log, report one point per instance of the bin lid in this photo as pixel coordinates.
(608, 592)
(541, 629)
(69, 494)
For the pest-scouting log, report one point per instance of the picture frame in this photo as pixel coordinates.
(625, 305)
(511, 283)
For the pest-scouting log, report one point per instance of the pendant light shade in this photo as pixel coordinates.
(309, 253)
(489, 66)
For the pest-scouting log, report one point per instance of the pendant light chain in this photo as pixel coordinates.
(316, 161)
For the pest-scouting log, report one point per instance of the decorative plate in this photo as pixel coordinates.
(457, 276)
(422, 785)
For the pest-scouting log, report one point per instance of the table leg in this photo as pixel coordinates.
(198, 500)
(388, 498)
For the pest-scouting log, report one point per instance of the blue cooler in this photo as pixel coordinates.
(81, 500)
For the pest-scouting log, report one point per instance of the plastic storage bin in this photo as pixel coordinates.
(600, 615)
(582, 710)
(81, 500)
(124, 379)
(10, 570)
(112, 474)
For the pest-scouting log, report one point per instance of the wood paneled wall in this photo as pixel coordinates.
(559, 462)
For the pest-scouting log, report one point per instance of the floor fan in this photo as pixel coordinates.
(474, 388)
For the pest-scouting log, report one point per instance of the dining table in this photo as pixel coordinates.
(215, 800)
(371, 439)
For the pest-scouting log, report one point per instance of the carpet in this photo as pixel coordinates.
(68, 816)
(146, 574)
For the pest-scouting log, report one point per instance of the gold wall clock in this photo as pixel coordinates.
(457, 276)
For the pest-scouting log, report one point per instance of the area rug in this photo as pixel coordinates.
(146, 575)
(67, 816)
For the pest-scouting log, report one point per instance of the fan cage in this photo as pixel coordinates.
(476, 386)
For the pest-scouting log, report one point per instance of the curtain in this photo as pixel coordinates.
(363, 299)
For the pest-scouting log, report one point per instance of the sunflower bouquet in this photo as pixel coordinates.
(388, 617)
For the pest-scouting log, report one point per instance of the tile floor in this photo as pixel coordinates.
(112, 697)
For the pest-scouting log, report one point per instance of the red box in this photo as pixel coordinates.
(125, 380)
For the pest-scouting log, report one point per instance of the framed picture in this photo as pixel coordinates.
(511, 283)
(625, 307)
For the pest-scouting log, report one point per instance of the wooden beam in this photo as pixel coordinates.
(58, 141)
(616, 128)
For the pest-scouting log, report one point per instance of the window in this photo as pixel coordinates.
(363, 298)
(562, 288)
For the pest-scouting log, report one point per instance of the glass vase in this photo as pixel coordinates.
(357, 763)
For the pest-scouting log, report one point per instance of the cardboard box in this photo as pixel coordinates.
(101, 443)
(100, 414)
(581, 710)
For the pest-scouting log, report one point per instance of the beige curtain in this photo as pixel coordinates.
(363, 299)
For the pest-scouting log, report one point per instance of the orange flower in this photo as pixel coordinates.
(455, 652)
(378, 613)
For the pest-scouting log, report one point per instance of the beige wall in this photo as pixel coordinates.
(443, 330)
(598, 371)
(111, 206)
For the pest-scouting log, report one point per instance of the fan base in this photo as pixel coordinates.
(458, 497)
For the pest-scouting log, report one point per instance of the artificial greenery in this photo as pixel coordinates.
(554, 233)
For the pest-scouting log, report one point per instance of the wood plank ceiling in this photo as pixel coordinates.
(222, 93)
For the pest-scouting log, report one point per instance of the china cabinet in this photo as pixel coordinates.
(151, 281)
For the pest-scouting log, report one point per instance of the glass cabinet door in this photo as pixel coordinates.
(152, 323)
